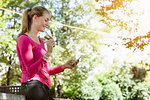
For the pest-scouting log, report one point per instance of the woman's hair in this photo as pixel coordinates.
(28, 15)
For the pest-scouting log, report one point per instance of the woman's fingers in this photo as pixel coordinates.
(76, 62)
(71, 64)
(48, 37)
(53, 44)
(50, 40)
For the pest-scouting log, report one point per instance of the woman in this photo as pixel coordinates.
(33, 56)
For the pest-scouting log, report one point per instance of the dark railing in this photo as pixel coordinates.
(10, 89)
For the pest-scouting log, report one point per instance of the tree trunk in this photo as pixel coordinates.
(8, 76)
(55, 88)
(9, 69)
(58, 88)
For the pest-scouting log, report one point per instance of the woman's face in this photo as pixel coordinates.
(41, 22)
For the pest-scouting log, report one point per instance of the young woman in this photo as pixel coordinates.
(33, 56)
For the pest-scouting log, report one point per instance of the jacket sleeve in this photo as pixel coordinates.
(26, 53)
(55, 70)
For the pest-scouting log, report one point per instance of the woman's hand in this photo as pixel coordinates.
(50, 44)
(70, 64)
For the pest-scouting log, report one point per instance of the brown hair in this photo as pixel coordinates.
(28, 15)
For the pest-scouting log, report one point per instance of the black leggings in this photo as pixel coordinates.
(35, 90)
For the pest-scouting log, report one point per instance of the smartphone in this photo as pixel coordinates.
(76, 61)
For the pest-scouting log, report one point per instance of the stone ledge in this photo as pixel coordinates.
(60, 99)
(6, 96)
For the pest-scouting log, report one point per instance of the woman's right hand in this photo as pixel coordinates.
(50, 44)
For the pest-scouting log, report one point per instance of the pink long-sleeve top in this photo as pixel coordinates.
(32, 65)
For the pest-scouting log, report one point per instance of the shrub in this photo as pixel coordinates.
(91, 90)
(117, 84)
(111, 92)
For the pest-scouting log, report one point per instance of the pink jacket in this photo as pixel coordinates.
(32, 65)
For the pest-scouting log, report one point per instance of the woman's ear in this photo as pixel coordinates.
(34, 17)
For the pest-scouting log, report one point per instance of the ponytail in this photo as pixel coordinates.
(26, 21)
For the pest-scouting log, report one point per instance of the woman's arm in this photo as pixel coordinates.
(68, 65)
(26, 53)
(55, 70)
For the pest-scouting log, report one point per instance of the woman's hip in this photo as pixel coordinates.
(35, 90)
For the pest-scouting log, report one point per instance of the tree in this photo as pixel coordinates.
(70, 43)
(74, 42)
(130, 17)
(9, 27)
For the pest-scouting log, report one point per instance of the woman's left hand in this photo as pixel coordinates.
(70, 64)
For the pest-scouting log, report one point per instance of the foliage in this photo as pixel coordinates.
(116, 84)
(8, 56)
(74, 42)
(15, 75)
(141, 91)
(129, 17)
(90, 90)
(68, 40)
(52, 90)
(112, 7)
(72, 92)
(138, 42)
(9, 28)
(111, 92)
(120, 83)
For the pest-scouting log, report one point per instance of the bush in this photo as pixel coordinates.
(142, 91)
(111, 92)
(117, 84)
(91, 90)
(72, 93)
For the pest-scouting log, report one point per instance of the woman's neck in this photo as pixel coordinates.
(34, 37)
(33, 33)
